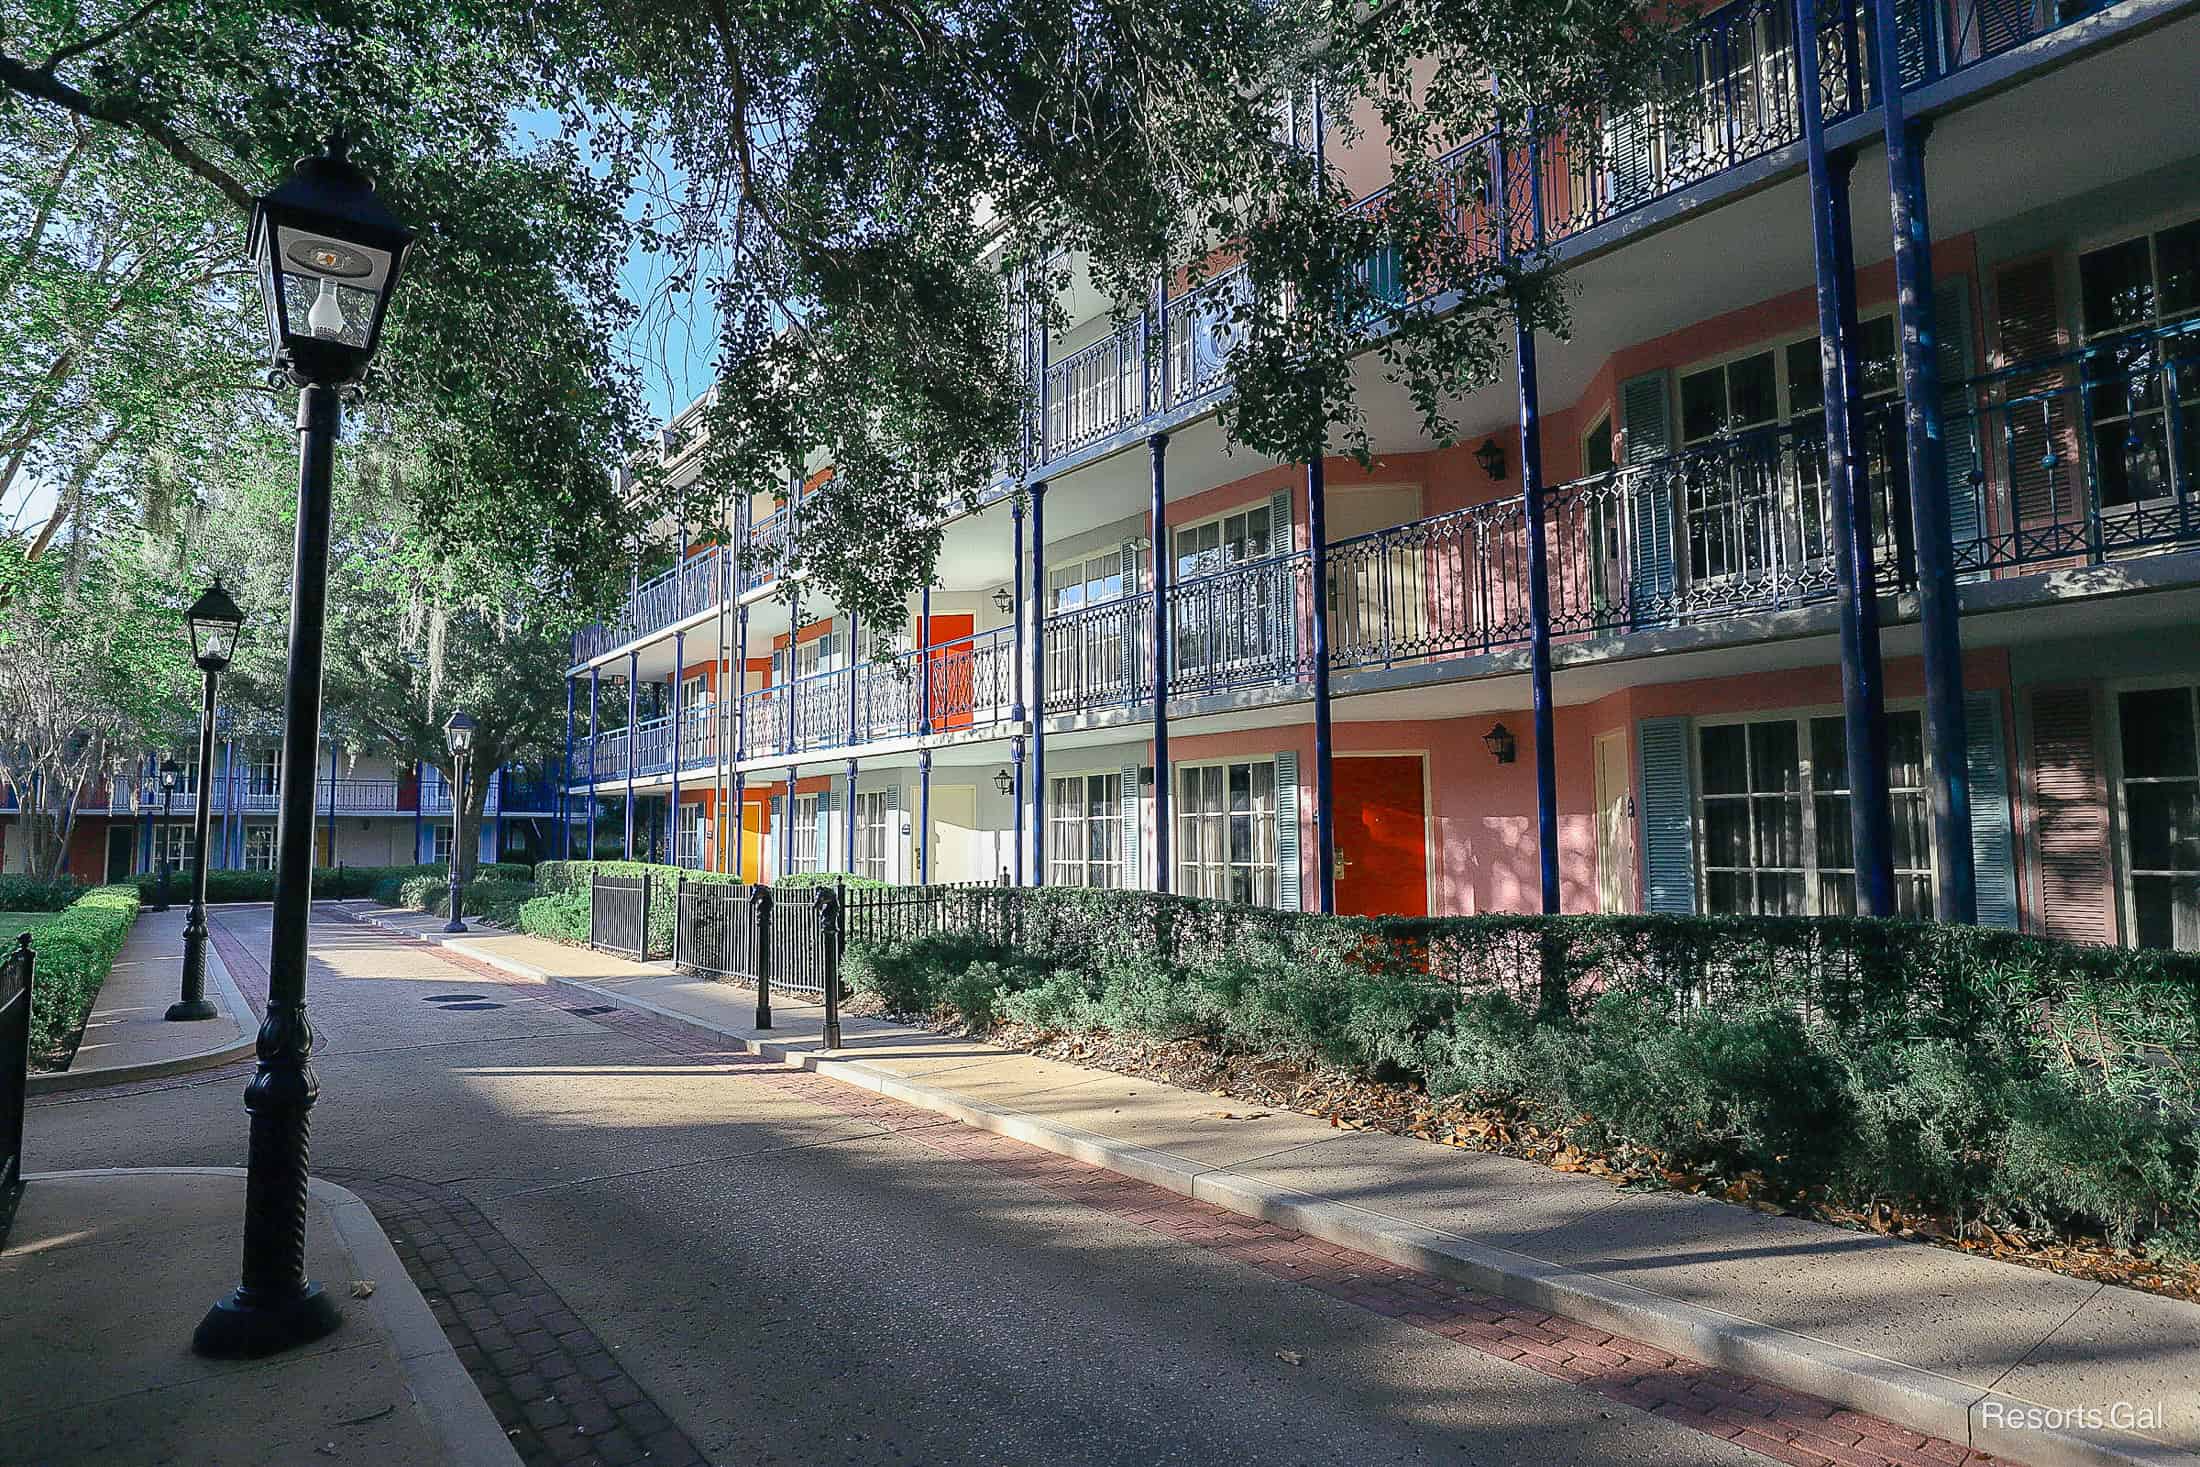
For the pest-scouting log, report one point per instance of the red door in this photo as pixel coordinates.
(1382, 836)
(953, 665)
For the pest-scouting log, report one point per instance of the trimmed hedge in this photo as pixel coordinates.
(20, 893)
(330, 883)
(1976, 1071)
(497, 901)
(76, 951)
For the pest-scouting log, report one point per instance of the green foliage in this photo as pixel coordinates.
(561, 916)
(330, 883)
(21, 893)
(76, 950)
(1976, 1071)
(494, 901)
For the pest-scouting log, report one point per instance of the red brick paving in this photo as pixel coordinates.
(489, 1299)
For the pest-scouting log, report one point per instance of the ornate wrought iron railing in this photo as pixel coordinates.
(1100, 656)
(688, 589)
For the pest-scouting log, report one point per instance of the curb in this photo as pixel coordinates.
(1906, 1395)
(225, 992)
(444, 1394)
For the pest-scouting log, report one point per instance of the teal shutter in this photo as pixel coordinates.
(1628, 140)
(1992, 843)
(775, 839)
(1647, 428)
(1281, 613)
(1959, 427)
(827, 848)
(1133, 876)
(1287, 831)
(1668, 816)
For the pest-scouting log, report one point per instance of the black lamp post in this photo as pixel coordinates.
(215, 622)
(328, 254)
(169, 769)
(459, 731)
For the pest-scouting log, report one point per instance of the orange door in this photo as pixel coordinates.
(953, 664)
(1382, 836)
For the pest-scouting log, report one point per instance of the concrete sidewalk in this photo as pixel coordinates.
(128, 1036)
(105, 1275)
(2018, 1362)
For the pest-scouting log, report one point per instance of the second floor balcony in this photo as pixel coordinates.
(2086, 458)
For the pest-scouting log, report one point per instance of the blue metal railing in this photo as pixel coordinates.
(688, 589)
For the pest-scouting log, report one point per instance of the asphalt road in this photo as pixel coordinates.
(792, 1284)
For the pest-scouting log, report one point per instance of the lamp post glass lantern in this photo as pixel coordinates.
(458, 730)
(215, 624)
(328, 254)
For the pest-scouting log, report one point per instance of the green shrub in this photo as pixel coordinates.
(1951, 1068)
(76, 950)
(20, 893)
(496, 900)
(561, 916)
(330, 883)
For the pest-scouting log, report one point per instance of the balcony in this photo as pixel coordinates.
(2080, 459)
(694, 586)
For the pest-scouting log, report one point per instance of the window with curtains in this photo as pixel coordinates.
(2159, 741)
(1226, 831)
(2149, 281)
(871, 816)
(259, 848)
(804, 857)
(1085, 830)
(1775, 817)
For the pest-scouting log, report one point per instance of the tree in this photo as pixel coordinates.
(91, 667)
(137, 134)
(414, 629)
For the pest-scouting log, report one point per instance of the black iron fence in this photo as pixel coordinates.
(15, 1057)
(897, 913)
(618, 915)
(785, 942)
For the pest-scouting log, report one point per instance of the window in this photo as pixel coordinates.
(1087, 582)
(2161, 800)
(1754, 502)
(2126, 288)
(172, 841)
(1226, 832)
(804, 857)
(871, 817)
(439, 845)
(1085, 830)
(1085, 660)
(1237, 619)
(1233, 538)
(259, 772)
(1776, 817)
(259, 848)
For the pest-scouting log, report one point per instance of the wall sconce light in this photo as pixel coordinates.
(1003, 781)
(1492, 459)
(1003, 599)
(1499, 741)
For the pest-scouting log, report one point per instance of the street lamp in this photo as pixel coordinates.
(459, 731)
(328, 254)
(215, 622)
(169, 769)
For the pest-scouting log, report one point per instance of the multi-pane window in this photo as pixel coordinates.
(439, 849)
(1085, 830)
(1776, 838)
(174, 842)
(2161, 800)
(1763, 503)
(804, 857)
(871, 825)
(1085, 654)
(1086, 582)
(260, 772)
(1234, 619)
(2149, 281)
(1230, 540)
(1226, 832)
(259, 848)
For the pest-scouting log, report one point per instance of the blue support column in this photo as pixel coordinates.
(924, 660)
(1157, 522)
(1036, 601)
(848, 825)
(565, 782)
(633, 717)
(1863, 692)
(1325, 815)
(1016, 580)
(679, 734)
(855, 679)
(924, 817)
(1538, 567)
(1016, 803)
(1939, 605)
(594, 688)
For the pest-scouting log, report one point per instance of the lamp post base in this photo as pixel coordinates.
(193, 1008)
(454, 925)
(239, 1328)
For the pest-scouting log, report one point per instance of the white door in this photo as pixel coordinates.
(958, 854)
(1615, 831)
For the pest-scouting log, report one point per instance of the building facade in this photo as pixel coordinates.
(369, 812)
(1357, 665)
